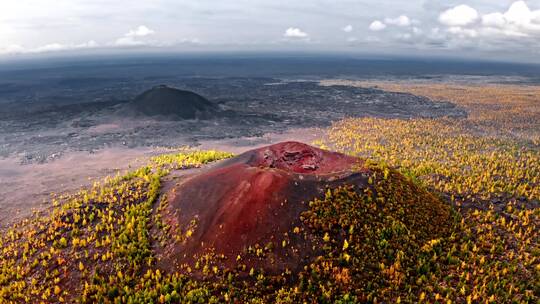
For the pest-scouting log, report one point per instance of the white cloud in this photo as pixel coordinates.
(12, 49)
(494, 20)
(536, 16)
(135, 37)
(294, 32)
(128, 41)
(141, 31)
(348, 28)
(518, 26)
(399, 21)
(460, 15)
(55, 47)
(463, 32)
(377, 26)
(518, 19)
(52, 47)
(518, 13)
(189, 41)
(493, 32)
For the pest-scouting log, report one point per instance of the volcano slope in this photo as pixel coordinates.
(287, 223)
(254, 210)
(168, 102)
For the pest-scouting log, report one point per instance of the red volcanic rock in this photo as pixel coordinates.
(297, 157)
(254, 198)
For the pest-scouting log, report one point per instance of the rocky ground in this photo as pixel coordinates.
(42, 129)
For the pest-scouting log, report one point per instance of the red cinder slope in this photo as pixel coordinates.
(254, 198)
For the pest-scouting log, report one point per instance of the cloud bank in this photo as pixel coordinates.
(509, 28)
(465, 28)
(517, 21)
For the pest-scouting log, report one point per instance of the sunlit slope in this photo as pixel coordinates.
(487, 165)
(376, 237)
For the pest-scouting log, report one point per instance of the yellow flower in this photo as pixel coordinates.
(326, 237)
(345, 245)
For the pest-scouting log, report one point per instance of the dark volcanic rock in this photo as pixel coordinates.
(254, 198)
(170, 102)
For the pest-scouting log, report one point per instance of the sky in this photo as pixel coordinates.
(505, 30)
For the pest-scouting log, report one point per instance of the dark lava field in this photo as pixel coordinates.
(41, 121)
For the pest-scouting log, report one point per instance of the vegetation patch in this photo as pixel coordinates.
(372, 243)
(95, 245)
(487, 166)
(393, 239)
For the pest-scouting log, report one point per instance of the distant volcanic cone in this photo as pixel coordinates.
(172, 103)
(250, 210)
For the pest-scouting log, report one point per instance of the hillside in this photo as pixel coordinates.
(169, 102)
(315, 225)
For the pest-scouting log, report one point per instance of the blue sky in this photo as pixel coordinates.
(502, 29)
